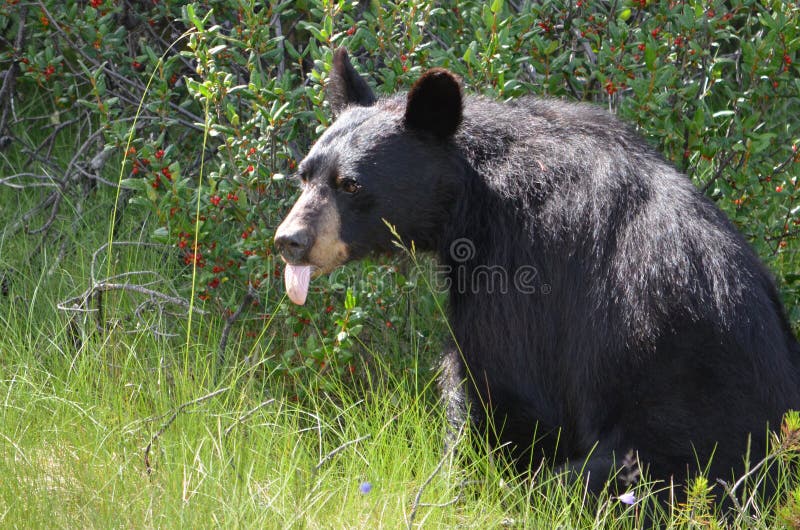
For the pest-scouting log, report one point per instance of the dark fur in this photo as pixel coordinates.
(661, 331)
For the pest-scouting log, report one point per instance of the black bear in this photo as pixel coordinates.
(601, 306)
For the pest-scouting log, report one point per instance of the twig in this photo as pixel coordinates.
(10, 79)
(106, 286)
(461, 485)
(718, 173)
(416, 505)
(171, 419)
(91, 300)
(276, 26)
(587, 49)
(58, 196)
(247, 299)
(104, 246)
(47, 181)
(730, 490)
(246, 416)
(338, 450)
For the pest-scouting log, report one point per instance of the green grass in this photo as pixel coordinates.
(230, 446)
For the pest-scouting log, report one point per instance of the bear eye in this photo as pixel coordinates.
(349, 186)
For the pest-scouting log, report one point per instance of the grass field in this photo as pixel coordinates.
(123, 428)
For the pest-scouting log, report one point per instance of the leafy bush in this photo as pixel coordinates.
(197, 114)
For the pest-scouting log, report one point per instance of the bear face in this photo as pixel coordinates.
(377, 162)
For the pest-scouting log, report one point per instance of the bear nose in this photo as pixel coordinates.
(293, 246)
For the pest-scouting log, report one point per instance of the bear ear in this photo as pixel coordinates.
(435, 103)
(345, 86)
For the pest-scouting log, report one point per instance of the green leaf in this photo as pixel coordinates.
(314, 30)
(136, 184)
(650, 56)
(216, 49)
(193, 18)
(161, 234)
(470, 54)
(349, 300)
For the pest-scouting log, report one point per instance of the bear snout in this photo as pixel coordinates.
(293, 244)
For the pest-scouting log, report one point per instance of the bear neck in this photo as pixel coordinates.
(489, 246)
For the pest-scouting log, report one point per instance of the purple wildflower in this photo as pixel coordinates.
(627, 498)
(365, 487)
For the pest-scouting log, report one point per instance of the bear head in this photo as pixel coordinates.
(381, 161)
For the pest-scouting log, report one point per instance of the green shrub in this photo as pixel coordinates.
(208, 107)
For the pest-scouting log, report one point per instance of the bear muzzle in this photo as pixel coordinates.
(293, 244)
(308, 252)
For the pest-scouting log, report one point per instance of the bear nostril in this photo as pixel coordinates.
(293, 246)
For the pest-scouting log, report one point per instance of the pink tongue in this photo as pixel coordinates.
(297, 278)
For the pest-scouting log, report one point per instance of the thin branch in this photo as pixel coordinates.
(246, 416)
(47, 181)
(718, 173)
(10, 79)
(730, 490)
(171, 419)
(104, 246)
(587, 49)
(247, 299)
(333, 453)
(416, 505)
(103, 287)
(57, 198)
